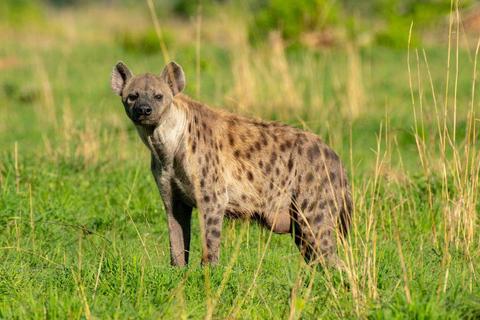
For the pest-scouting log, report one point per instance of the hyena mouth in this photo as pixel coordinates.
(140, 119)
(144, 121)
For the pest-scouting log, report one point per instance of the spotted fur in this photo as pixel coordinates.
(228, 165)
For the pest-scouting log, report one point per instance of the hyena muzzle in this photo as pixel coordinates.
(228, 165)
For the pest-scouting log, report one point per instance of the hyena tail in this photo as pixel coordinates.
(346, 212)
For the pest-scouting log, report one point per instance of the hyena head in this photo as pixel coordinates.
(147, 97)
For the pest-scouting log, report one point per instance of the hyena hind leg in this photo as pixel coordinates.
(315, 241)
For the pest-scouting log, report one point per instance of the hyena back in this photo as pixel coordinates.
(230, 165)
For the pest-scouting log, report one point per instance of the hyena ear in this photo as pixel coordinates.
(174, 76)
(120, 75)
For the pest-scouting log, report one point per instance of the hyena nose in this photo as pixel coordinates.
(145, 110)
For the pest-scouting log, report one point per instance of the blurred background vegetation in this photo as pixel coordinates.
(385, 22)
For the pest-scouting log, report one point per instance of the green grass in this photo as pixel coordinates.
(83, 231)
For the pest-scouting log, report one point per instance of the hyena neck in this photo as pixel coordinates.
(165, 140)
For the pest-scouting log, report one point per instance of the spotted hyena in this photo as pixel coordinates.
(228, 165)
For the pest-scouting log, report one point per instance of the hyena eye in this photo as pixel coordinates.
(158, 96)
(132, 97)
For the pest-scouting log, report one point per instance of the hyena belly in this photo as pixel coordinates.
(260, 187)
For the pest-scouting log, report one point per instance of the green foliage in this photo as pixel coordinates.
(292, 17)
(189, 8)
(397, 33)
(185, 8)
(425, 11)
(62, 3)
(400, 14)
(20, 12)
(395, 17)
(145, 42)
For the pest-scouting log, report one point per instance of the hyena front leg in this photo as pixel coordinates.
(179, 221)
(179, 217)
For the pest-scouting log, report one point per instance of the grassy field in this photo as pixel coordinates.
(83, 230)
